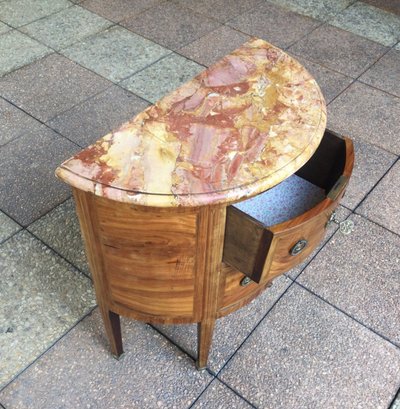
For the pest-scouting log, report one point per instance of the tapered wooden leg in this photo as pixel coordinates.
(205, 331)
(113, 330)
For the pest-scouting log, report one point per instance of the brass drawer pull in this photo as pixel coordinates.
(245, 281)
(345, 226)
(298, 247)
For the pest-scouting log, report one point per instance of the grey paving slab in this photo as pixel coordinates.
(306, 354)
(396, 403)
(116, 53)
(66, 27)
(16, 13)
(359, 274)
(274, 24)
(28, 187)
(17, 50)
(42, 298)
(171, 25)
(383, 203)
(4, 28)
(370, 22)
(331, 83)
(230, 331)
(118, 10)
(222, 10)
(368, 114)
(323, 10)
(219, 396)
(339, 50)
(212, 47)
(7, 227)
(341, 214)
(59, 229)
(371, 163)
(152, 373)
(392, 6)
(385, 73)
(90, 120)
(14, 122)
(50, 86)
(162, 77)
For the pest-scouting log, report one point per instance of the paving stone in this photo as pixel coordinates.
(212, 47)
(59, 229)
(370, 164)
(221, 10)
(368, 114)
(331, 83)
(323, 10)
(118, 10)
(383, 203)
(28, 187)
(14, 122)
(170, 25)
(385, 73)
(66, 27)
(4, 28)
(396, 403)
(218, 396)
(152, 373)
(87, 122)
(359, 274)
(7, 227)
(339, 50)
(230, 331)
(42, 298)
(116, 53)
(274, 24)
(370, 22)
(341, 214)
(162, 77)
(17, 13)
(50, 86)
(17, 50)
(306, 354)
(389, 5)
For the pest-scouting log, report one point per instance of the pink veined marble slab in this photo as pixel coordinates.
(235, 130)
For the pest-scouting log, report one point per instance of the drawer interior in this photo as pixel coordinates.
(291, 198)
(310, 185)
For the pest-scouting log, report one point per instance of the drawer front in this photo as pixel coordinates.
(263, 252)
(293, 245)
(237, 290)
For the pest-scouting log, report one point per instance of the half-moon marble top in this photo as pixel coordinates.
(237, 129)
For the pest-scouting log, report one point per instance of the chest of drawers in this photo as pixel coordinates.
(192, 208)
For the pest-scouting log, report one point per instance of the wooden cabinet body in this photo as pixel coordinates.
(171, 204)
(169, 265)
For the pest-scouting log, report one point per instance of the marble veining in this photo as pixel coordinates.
(236, 129)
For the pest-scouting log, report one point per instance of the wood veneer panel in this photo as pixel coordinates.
(149, 258)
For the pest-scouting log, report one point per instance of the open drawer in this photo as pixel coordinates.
(276, 230)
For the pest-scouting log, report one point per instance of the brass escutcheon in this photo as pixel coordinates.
(245, 281)
(298, 247)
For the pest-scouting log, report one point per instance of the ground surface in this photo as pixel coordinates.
(325, 336)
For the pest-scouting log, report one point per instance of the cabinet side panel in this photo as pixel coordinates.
(149, 258)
